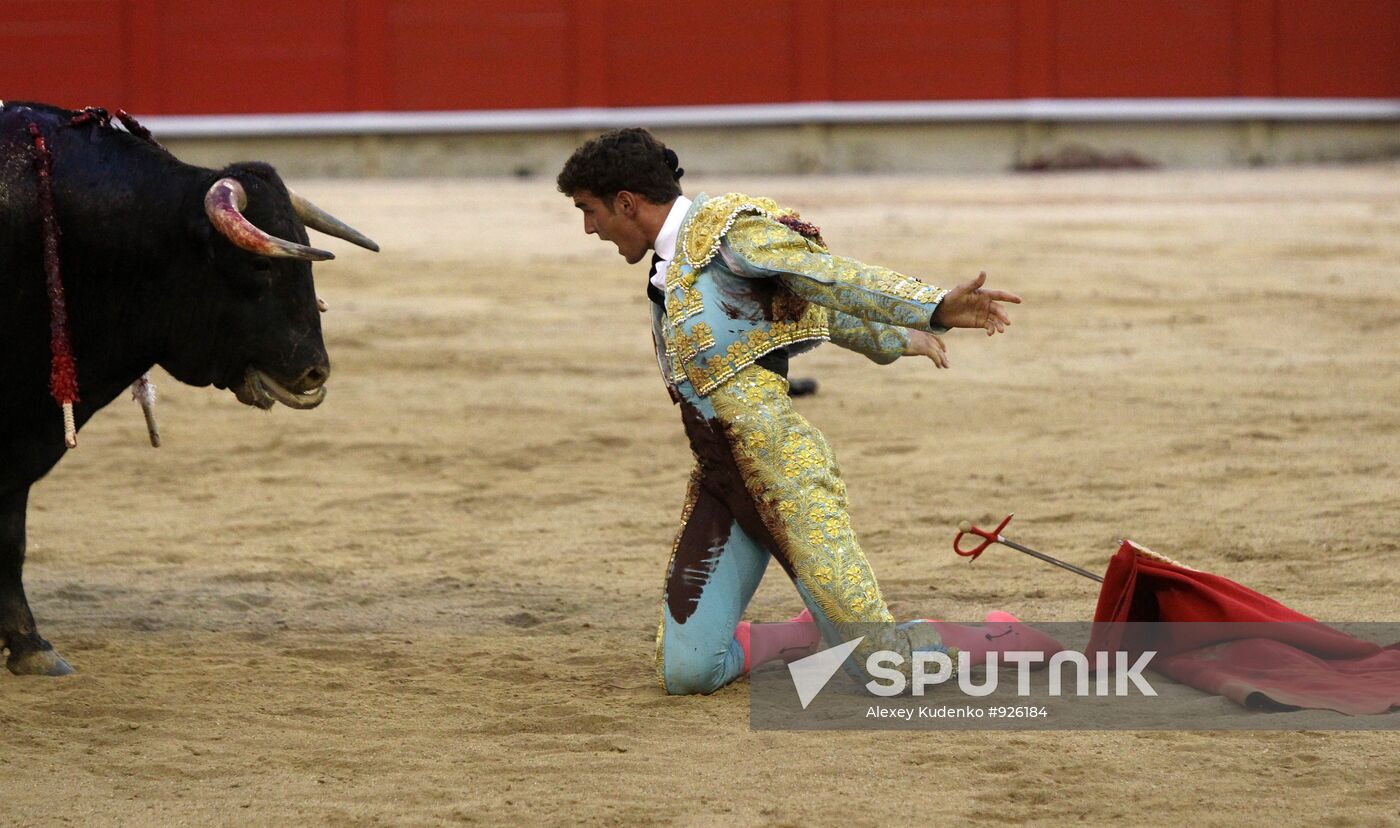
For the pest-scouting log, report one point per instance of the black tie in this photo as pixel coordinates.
(652, 292)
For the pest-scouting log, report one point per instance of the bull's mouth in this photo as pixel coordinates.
(261, 391)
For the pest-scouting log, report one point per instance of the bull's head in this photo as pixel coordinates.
(270, 345)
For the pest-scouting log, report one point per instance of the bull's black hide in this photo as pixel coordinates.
(151, 277)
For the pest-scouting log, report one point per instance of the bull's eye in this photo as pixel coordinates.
(262, 265)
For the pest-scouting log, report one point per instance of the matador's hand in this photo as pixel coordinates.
(969, 306)
(926, 344)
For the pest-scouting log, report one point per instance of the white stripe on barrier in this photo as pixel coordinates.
(541, 120)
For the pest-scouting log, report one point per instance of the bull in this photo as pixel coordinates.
(206, 273)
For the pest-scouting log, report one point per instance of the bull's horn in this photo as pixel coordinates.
(224, 205)
(318, 219)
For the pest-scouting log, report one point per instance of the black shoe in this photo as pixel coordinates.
(802, 387)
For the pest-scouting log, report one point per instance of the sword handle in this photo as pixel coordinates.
(989, 537)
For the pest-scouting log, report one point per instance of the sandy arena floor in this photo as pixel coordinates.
(433, 599)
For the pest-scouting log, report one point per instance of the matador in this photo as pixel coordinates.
(738, 285)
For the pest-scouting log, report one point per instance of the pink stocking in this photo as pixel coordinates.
(794, 638)
(1002, 632)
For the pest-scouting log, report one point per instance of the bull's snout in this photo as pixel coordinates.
(313, 378)
(262, 388)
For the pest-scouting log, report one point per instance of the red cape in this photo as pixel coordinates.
(1254, 660)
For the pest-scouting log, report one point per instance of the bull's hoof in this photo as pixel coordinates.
(39, 663)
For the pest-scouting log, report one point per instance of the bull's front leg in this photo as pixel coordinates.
(30, 654)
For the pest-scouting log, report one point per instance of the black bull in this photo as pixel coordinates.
(205, 273)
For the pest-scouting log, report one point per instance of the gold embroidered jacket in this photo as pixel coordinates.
(743, 283)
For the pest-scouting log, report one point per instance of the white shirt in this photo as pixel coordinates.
(666, 240)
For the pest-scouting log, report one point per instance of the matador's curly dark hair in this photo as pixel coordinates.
(623, 159)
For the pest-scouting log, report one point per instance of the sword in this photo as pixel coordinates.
(994, 536)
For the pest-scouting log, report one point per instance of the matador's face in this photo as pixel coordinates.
(614, 221)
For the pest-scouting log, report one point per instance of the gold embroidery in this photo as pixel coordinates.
(829, 282)
(906, 287)
(683, 302)
(705, 229)
(864, 291)
(881, 343)
(742, 353)
(792, 477)
(661, 644)
(682, 345)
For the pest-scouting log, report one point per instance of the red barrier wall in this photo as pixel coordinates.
(251, 56)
